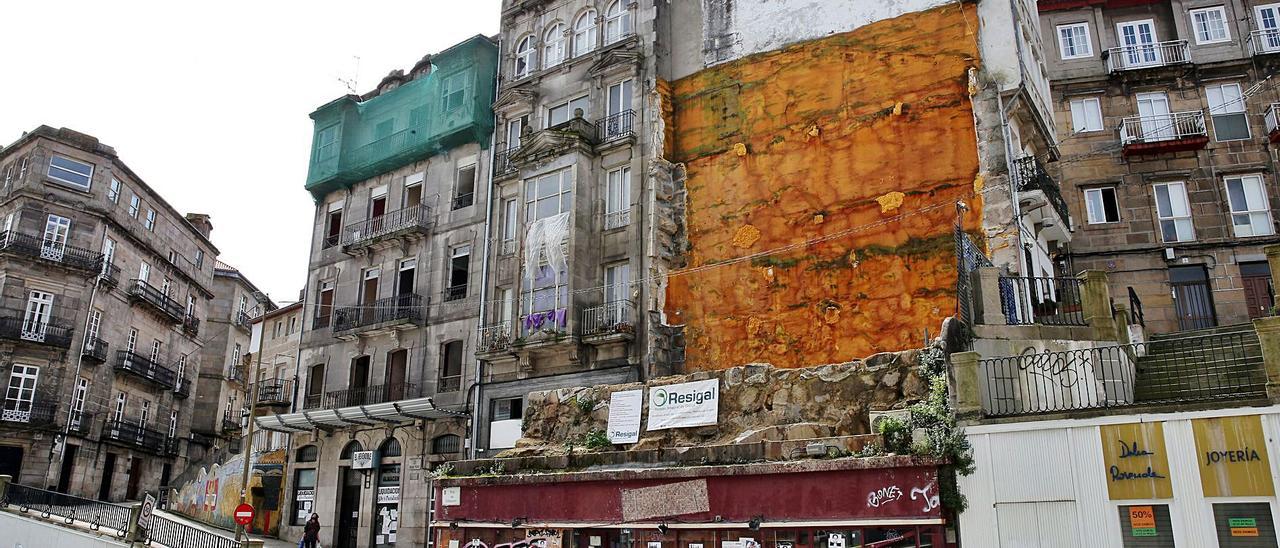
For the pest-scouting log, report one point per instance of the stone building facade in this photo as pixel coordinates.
(222, 394)
(1166, 117)
(276, 373)
(104, 289)
(390, 311)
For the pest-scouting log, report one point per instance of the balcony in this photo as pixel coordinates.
(617, 219)
(145, 368)
(230, 423)
(1043, 301)
(464, 200)
(1037, 189)
(138, 437)
(616, 127)
(609, 322)
(494, 338)
(29, 414)
(1175, 132)
(1163, 54)
(362, 396)
(455, 293)
(388, 313)
(109, 276)
(163, 305)
(238, 372)
(182, 389)
(275, 393)
(191, 325)
(81, 424)
(95, 350)
(412, 220)
(1272, 118)
(1264, 42)
(502, 164)
(17, 243)
(243, 321)
(51, 332)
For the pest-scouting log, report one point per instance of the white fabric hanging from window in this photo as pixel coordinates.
(544, 241)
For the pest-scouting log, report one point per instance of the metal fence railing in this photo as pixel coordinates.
(1162, 127)
(1136, 316)
(1046, 301)
(494, 338)
(617, 126)
(174, 534)
(969, 257)
(1172, 52)
(97, 514)
(399, 307)
(609, 318)
(1212, 367)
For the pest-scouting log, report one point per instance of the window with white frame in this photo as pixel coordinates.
(1101, 205)
(545, 292)
(553, 46)
(1250, 209)
(95, 326)
(617, 22)
(561, 113)
(617, 202)
(77, 402)
(108, 255)
(113, 192)
(122, 401)
(1227, 109)
(1174, 213)
(131, 343)
(144, 271)
(21, 393)
(1210, 25)
(1073, 41)
(584, 33)
(173, 424)
(135, 204)
(524, 57)
(1086, 115)
(150, 223)
(35, 320)
(509, 226)
(617, 290)
(72, 172)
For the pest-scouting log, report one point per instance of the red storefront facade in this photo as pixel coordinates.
(838, 503)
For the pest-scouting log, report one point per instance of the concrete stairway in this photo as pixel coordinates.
(1219, 362)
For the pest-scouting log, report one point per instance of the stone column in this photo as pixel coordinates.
(1269, 336)
(1095, 299)
(966, 385)
(986, 296)
(1273, 261)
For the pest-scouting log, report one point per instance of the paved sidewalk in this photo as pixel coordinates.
(268, 542)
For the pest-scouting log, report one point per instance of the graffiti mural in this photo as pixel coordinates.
(214, 494)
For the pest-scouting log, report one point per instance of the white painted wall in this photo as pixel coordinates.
(1043, 483)
(25, 532)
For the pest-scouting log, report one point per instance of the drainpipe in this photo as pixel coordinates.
(484, 275)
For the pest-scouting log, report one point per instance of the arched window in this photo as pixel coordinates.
(617, 22)
(553, 46)
(389, 448)
(350, 449)
(524, 57)
(447, 443)
(307, 453)
(584, 33)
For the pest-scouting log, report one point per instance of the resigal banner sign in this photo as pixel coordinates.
(684, 405)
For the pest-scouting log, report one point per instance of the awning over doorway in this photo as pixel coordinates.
(357, 415)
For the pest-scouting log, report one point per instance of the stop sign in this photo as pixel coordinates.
(243, 514)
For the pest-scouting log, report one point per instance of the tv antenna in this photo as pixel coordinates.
(352, 83)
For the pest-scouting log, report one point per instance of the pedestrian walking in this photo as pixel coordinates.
(311, 533)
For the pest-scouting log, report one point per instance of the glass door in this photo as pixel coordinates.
(35, 321)
(1269, 27)
(1139, 41)
(21, 393)
(56, 230)
(1157, 123)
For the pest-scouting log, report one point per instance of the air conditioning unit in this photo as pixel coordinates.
(903, 415)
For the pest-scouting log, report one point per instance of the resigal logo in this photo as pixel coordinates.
(662, 397)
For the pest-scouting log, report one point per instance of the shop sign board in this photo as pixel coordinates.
(624, 416)
(1136, 465)
(305, 495)
(1231, 453)
(1142, 521)
(389, 495)
(362, 460)
(1243, 527)
(683, 405)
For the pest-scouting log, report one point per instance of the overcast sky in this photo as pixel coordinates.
(208, 102)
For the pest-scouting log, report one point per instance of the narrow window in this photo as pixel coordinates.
(325, 311)
(135, 204)
(150, 223)
(122, 400)
(1174, 213)
(453, 90)
(144, 271)
(333, 229)
(451, 367)
(327, 143)
(77, 402)
(509, 226)
(1086, 115)
(584, 33)
(199, 258)
(459, 266)
(617, 204)
(1102, 205)
(1250, 212)
(553, 49)
(20, 395)
(1227, 108)
(464, 193)
(113, 192)
(524, 57)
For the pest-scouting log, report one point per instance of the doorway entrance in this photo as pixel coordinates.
(1192, 297)
(68, 467)
(1259, 296)
(135, 478)
(108, 475)
(11, 461)
(349, 508)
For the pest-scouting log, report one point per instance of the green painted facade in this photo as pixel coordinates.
(449, 107)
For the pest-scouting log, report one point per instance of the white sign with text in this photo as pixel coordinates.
(683, 405)
(624, 416)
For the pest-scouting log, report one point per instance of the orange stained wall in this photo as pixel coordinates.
(866, 137)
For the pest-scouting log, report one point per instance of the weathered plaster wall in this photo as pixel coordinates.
(819, 139)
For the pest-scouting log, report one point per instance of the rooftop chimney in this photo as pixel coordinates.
(202, 223)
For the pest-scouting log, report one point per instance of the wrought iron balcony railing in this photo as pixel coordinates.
(182, 388)
(29, 413)
(140, 437)
(230, 422)
(1173, 52)
(1044, 301)
(452, 383)
(95, 350)
(81, 424)
(48, 330)
(399, 307)
(1029, 175)
(191, 325)
(502, 164)
(494, 338)
(617, 126)
(12, 241)
(141, 291)
(275, 392)
(455, 293)
(109, 275)
(243, 320)
(609, 318)
(363, 396)
(412, 218)
(617, 219)
(464, 200)
(1162, 127)
(146, 368)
